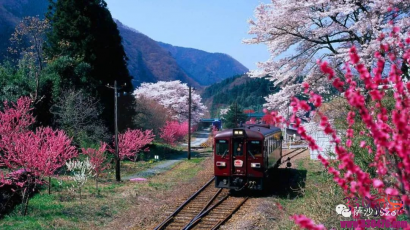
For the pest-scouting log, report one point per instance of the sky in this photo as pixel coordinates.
(209, 25)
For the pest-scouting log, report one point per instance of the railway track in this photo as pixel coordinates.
(207, 208)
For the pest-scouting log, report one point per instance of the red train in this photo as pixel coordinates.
(243, 156)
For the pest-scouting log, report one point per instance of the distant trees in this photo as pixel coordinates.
(174, 131)
(31, 31)
(173, 95)
(132, 141)
(150, 114)
(79, 115)
(249, 91)
(85, 30)
(234, 116)
(14, 82)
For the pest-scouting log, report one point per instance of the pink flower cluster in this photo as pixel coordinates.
(389, 130)
(307, 223)
(174, 131)
(97, 157)
(41, 152)
(272, 118)
(132, 141)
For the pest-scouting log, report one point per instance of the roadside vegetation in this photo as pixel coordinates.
(115, 204)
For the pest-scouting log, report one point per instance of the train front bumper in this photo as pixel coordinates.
(239, 183)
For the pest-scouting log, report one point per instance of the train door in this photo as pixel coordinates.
(238, 157)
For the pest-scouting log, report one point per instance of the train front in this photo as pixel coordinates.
(239, 159)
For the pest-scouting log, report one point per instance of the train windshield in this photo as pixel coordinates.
(222, 147)
(255, 148)
(237, 147)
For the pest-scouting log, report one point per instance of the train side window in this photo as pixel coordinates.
(222, 147)
(255, 148)
(238, 147)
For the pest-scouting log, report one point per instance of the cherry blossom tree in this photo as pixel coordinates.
(173, 95)
(98, 160)
(132, 141)
(388, 129)
(297, 33)
(38, 153)
(174, 131)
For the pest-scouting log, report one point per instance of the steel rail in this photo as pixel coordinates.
(199, 217)
(166, 221)
(205, 208)
(217, 225)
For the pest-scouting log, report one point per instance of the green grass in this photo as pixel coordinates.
(64, 210)
(45, 209)
(316, 197)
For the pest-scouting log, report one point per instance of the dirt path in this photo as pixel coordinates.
(157, 169)
(200, 137)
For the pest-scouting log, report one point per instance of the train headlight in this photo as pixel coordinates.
(221, 164)
(238, 132)
(255, 165)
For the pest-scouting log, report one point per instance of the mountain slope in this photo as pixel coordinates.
(205, 68)
(147, 61)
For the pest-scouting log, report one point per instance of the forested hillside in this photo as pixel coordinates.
(248, 92)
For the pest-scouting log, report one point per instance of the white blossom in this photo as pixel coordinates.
(174, 96)
(81, 171)
(318, 29)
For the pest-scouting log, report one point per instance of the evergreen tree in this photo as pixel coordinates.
(85, 30)
(234, 117)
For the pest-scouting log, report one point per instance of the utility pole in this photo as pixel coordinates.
(189, 122)
(117, 154)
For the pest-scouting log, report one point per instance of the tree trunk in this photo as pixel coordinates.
(49, 185)
(26, 204)
(23, 201)
(26, 198)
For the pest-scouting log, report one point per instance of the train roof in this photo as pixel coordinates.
(252, 131)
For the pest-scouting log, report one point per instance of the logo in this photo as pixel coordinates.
(341, 209)
(238, 163)
(376, 206)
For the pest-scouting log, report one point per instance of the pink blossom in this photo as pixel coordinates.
(132, 141)
(392, 191)
(174, 131)
(377, 183)
(362, 144)
(306, 223)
